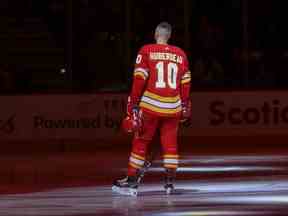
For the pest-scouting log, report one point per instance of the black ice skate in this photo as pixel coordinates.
(129, 185)
(126, 186)
(169, 181)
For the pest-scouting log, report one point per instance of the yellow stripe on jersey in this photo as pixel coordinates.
(141, 74)
(161, 98)
(159, 110)
(185, 81)
(160, 104)
(187, 75)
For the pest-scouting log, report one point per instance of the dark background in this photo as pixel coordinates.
(231, 44)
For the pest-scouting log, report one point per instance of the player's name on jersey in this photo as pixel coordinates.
(166, 56)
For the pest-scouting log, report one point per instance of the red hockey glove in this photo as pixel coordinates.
(133, 123)
(186, 110)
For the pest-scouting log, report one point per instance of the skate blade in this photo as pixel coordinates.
(125, 191)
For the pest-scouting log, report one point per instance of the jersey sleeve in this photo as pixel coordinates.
(141, 66)
(186, 75)
(185, 80)
(140, 75)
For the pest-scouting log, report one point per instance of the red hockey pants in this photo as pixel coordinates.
(168, 136)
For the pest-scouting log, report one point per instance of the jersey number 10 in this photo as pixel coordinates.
(170, 70)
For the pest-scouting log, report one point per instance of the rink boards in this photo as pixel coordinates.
(89, 117)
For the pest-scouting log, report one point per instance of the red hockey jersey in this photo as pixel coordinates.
(161, 79)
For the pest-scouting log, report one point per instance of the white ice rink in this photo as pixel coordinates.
(261, 194)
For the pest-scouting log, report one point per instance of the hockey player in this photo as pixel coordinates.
(159, 99)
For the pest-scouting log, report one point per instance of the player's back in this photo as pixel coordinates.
(166, 66)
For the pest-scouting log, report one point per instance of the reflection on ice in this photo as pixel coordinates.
(192, 198)
(206, 213)
(221, 169)
(263, 193)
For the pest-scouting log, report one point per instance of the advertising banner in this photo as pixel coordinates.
(238, 113)
(61, 116)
